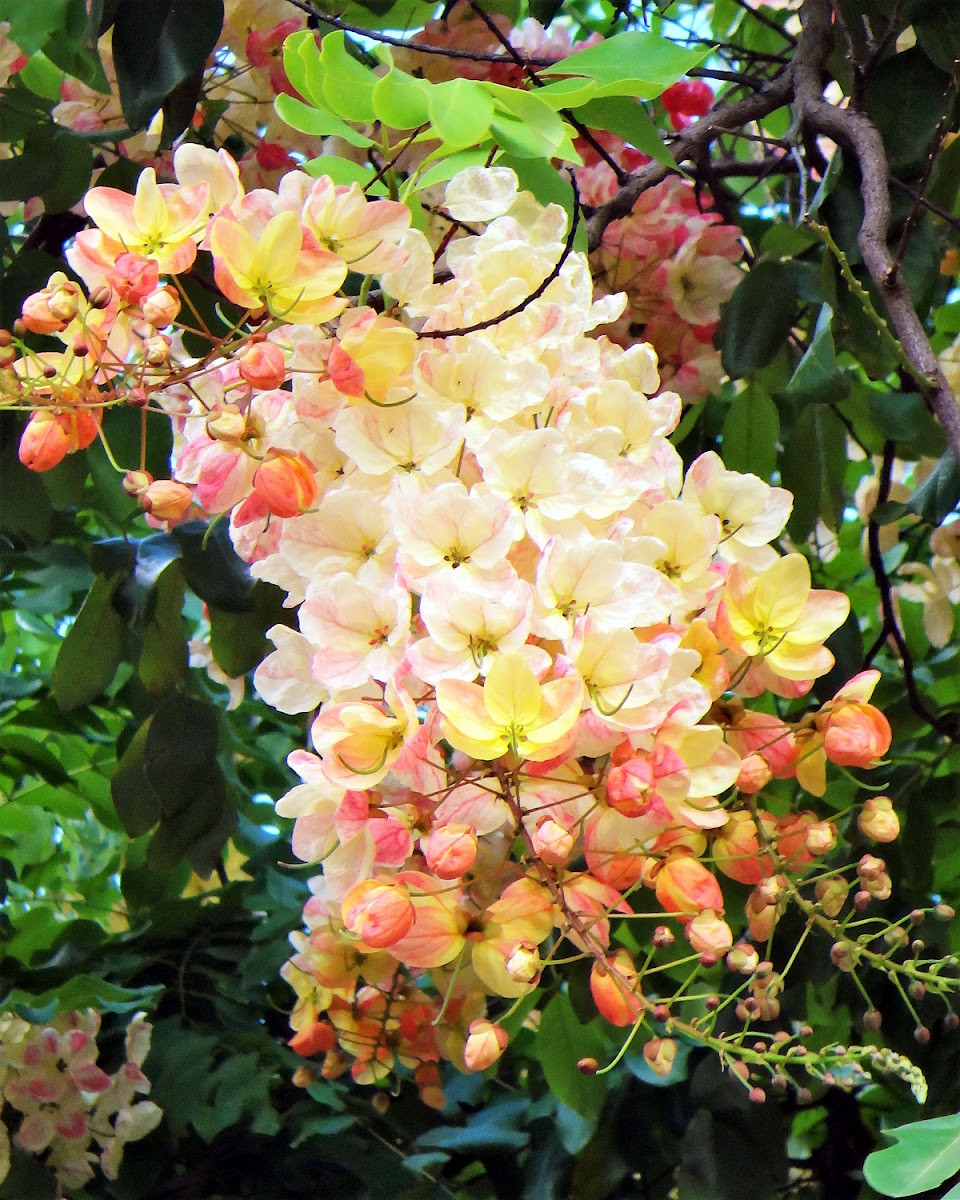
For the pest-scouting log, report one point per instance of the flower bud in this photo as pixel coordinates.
(878, 821)
(485, 1043)
(943, 912)
(872, 1020)
(709, 934)
(161, 308)
(523, 963)
(378, 912)
(134, 277)
(156, 349)
(286, 482)
(685, 886)
(832, 894)
(37, 317)
(821, 838)
(263, 366)
(663, 937)
(588, 1066)
(553, 842)
(660, 1054)
(135, 483)
(743, 958)
(843, 956)
(450, 850)
(167, 500)
(50, 436)
(228, 424)
(615, 988)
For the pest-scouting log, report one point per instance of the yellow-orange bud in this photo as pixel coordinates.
(378, 913)
(485, 1043)
(878, 821)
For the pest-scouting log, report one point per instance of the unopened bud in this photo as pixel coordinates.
(663, 937)
(951, 1022)
(943, 912)
(588, 1066)
(100, 297)
(804, 1096)
(380, 1103)
(135, 483)
(741, 1069)
(303, 1076)
(660, 1054)
(872, 1020)
(861, 901)
(844, 957)
(878, 821)
(917, 917)
(917, 990)
(757, 1095)
(486, 1042)
(921, 1035)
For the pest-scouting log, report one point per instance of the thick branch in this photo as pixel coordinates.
(854, 130)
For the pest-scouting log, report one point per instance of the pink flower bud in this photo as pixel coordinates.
(135, 483)
(821, 838)
(161, 308)
(553, 842)
(378, 912)
(37, 317)
(743, 958)
(263, 366)
(134, 277)
(709, 934)
(878, 821)
(485, 1043)
(50, 436)
(451, 850)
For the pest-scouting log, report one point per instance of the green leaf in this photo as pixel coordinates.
(31, 24)
(26, 835)
(561, 1042)
(751, 431)
(460, 112)
(757, 320)
(905, 97)
(163, 658)
(34, 756)
(628, 120)
(812, 466)
(157, 45)
(214, 570)
(631, 64)
(82, 991)
(136, 802)
(92, 650)
(818, 376)
(347, 84)
(937, 496)
(340, 170)
(401, 100)
(925, 1154)
(492, 1128)
(315, 121)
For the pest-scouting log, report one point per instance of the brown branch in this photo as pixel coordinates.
(854, 130)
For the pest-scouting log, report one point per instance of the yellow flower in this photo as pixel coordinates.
(512, 711)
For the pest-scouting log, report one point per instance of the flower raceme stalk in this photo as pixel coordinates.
(531, 638)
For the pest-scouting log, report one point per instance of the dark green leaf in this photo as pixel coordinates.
(812, 466)
(758, 319)
(905, 98)
(818, 376)
(937, 496)
(561, 1043)
(157, 44)
(91, 651)
(214, 570)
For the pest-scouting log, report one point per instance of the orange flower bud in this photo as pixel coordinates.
(485, 1043)
(878, 821)
(743, 958)
(167, 500)
(855, 735)
(50, 436)
(37, 317)
(451, 850)
(378, 912)
(156, 349)
(660, 1054)
(821, 838)
(615, 988)
(135, 483)
(317, 1036)
(737, 853)
(286, 483)
(64, 302)
(523, 963)
(685, 886)
(709, 934)
(263, 366)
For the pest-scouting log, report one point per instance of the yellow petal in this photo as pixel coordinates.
(512, 694)
(782, 592)
(279, 249)
(149, 207)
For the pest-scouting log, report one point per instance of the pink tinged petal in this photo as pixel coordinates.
(111, 209)
(393, 842)
(72, 1125)
(89, 1078)
(313, 837)
(36, 1132)
(236, 251)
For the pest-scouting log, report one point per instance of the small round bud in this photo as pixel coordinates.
(741, 1069)
(780, 1083)
(921, 1035)
(861, 901)
(943, 912)
(917, 917)
(872, 1020)
(588, 1066)
(804, 1096)
(917, 946)
(757, 1095)
(843, 957)
(917, 990)
(6, 338)
(380, 1103)
(661, 1013)
(663, 937)
(951, 1022)
(100, 297)
(712, 1003)
(303, 1076)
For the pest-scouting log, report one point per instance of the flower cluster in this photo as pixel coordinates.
(531, 636)
(66, 1103)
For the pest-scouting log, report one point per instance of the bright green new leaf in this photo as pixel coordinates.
(347, 84)
(628, 119)
(401, 100)
(925, 1153)
(301, 62)
(631, 64)
(568, 93)
(315, 121)
(341, 170)
(461, 111)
